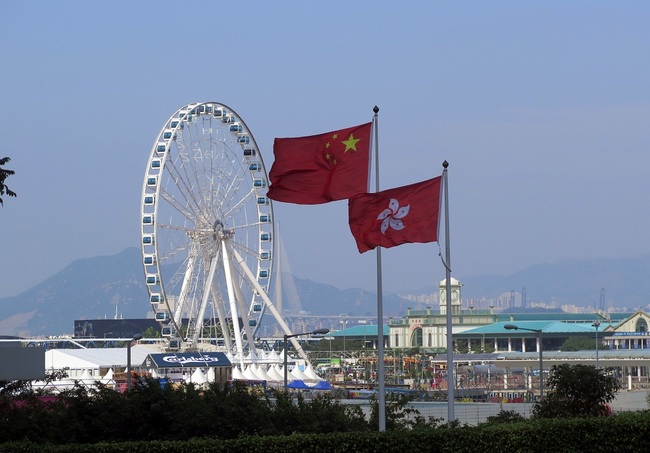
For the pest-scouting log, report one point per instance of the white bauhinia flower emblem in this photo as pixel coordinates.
(391, 216)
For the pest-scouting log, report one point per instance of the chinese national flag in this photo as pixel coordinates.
(321, 168)
(396, 216)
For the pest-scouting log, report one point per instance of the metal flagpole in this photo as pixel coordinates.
(451, 381)
(381, 390)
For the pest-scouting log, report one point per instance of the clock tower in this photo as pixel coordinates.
(455, 296)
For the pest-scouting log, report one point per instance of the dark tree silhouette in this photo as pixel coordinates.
(4, 174)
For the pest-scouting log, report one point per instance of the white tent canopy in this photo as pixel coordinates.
(249, 374)
(275, 373)
(261, 373)
(108, 377)
(95, 360)
(86, 378)
(311, 374)
(198, 377)
(297, 374)
(237, 374)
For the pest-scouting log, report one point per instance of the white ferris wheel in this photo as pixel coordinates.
(207, 231)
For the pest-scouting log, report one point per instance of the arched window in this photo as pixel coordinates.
(429, 339)
(641, 325)
(416, 337)
(397, 340)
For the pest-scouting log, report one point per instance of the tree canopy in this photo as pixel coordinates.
(578, 344)
(4, 174)
(577, 391)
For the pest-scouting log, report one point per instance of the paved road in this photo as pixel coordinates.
(632, 400)
(475, 413)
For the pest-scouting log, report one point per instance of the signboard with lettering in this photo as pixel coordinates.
(186, 360)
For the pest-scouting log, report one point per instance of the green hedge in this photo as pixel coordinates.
(620, 433)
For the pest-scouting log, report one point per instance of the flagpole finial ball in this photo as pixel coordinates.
(445, 164)
(375, 109)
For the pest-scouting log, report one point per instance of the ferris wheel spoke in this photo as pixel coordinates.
(175, 240)
(184, 190)
(245, 249)
(173, 203)
(234, 180)
(240, 204)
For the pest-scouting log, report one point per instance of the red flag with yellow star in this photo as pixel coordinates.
(321, 168)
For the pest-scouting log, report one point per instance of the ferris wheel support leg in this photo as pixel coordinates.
(204, 302)
(249, 334)
(233, 306)
(270, 305)
(182, 297)
(222, 320)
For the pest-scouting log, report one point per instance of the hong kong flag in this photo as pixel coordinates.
(396, 216)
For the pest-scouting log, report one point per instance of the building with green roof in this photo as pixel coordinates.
(427, 329)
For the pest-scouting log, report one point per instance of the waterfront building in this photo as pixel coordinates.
(631, 333)
(428, 328)
(482, 330)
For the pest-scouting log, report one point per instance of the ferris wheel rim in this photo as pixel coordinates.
(151, 254)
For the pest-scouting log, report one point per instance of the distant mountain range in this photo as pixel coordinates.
(93, 288)
(625, 281)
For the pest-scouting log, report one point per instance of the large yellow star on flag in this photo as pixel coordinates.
(350, 143)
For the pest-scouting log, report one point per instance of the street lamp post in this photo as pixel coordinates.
(286, 337)
(596, 324)
(363, 321)
(136, 337)
(330, 339)
(541, 363)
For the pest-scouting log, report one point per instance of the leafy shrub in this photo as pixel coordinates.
(506, 417)
(577, 391)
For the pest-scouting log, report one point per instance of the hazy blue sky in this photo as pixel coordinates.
(541, 109)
